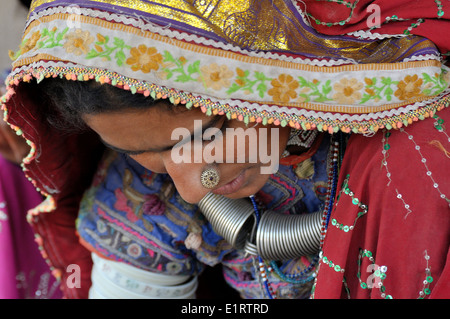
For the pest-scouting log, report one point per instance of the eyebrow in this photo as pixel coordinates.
(206, 126)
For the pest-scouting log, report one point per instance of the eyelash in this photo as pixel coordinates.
(222, 129)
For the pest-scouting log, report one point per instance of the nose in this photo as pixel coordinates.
(186, 177)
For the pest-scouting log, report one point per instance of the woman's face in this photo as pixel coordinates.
(148, 136)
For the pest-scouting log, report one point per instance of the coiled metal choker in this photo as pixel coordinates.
(274, 237)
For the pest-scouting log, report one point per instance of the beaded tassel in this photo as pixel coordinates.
(332, 181)
(265, 279)
(262, 269)
(298, 278)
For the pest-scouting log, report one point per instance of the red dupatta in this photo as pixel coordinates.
(399, 246)
(428, 19)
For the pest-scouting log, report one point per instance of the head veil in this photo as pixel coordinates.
(351, 66)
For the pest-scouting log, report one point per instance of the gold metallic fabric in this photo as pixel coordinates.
(262, 25)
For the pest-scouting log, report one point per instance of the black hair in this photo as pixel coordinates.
(26, 3)
(67, 101)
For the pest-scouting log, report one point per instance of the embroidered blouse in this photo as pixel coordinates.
(133, 215)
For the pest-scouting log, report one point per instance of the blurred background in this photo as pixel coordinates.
(24, 274)
(13, 14)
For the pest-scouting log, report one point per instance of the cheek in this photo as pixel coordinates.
(249, 142)
(152, 162)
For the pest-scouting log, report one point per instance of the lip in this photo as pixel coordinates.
(232, 186)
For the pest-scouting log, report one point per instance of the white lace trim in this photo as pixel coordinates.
(374, 36)
(252, 107)
(425, 57)
(300, 11)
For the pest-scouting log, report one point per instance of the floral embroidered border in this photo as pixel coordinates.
(353, 89)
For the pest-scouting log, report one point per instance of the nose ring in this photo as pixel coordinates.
(210, 178)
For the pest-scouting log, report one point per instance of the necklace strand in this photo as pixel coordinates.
(305, 275)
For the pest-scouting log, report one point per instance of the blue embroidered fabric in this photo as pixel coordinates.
(135, 216)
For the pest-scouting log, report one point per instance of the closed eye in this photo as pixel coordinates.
(222, 129)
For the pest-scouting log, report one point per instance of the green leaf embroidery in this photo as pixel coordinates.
(378, 92)
(104, 51)
(51, 38)
(244, 83)
(434, 85)
(318, 91)
(177, 66)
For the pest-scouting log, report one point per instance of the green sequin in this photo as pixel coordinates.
(346, 190)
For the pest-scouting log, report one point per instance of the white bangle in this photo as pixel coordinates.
(116, 280)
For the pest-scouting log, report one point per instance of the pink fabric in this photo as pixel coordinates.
(23, 271)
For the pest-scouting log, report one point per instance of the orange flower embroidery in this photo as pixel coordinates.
(347, 91)
(409, 87)
(31, 42)
(101, 38)
(183, 60)
(241, 74)
(283, 88)
(144, 59)
(216, 76)
(78, 42)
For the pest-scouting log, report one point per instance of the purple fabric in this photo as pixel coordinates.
(24, 274)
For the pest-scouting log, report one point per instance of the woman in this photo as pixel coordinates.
(165, 86)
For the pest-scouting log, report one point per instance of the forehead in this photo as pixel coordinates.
(158, 115)
(137, 129)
